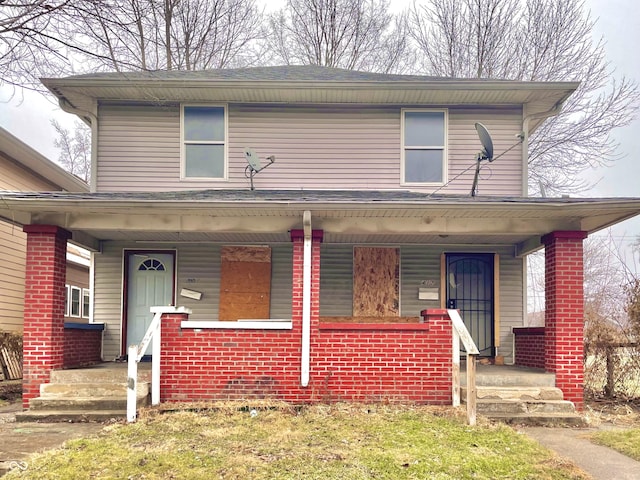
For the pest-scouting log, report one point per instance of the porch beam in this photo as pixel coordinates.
(528, 246)
(85, 240)
(168, 222)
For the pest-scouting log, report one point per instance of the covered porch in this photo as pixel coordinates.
(310, 352)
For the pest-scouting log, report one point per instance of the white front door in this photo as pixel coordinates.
(149, 283)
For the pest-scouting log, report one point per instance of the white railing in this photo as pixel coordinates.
(135, 354)
(461, 334)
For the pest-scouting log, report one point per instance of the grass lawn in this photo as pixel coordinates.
(626, 442)
(318, 442)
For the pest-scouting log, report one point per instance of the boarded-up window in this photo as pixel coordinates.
(376, 282)
(245, 283)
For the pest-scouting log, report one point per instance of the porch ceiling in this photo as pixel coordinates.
(344, 216)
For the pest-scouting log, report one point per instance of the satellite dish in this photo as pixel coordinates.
(254, 166)
(252, 159)
(487, 143)
(485, 154)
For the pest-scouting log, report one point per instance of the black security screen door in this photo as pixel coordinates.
(470, 290)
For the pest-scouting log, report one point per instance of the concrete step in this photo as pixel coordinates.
(504, 376)
(103, 373)
(520, 393)
(70, 415)
(85, 403)
(71, 390)
(540, 419)
(489, 407)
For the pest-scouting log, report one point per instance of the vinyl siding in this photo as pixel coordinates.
(12, 258)
(420, 264)
(198, 268)
(17, 178)
(323, 147)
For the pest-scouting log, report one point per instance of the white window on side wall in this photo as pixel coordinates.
(424, 147)
(76, 299)
(67, 300)
(85, 302)
(204, 142)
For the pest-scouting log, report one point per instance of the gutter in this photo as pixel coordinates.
(91, 119)
(306, 301)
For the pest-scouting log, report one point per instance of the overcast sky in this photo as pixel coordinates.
(28, 117)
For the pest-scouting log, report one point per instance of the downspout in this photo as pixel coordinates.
(92, 120)
(306, 300)
(553, 111)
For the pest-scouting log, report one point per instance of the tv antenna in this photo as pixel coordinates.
(253, 166)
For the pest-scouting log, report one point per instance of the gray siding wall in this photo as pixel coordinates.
(420, 264)
(198, 268)
(324, 147)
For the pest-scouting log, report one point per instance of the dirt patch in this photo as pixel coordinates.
(618, 412)
(10, 391)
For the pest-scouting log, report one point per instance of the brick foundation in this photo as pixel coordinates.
(529, 346)
(564, 317)
(43, 342)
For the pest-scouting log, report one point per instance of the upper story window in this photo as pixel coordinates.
(204, 142)
(424, 147)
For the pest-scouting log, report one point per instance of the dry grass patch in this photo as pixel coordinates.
(626, 442)
(319, 442)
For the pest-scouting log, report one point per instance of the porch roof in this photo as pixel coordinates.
(266, 216)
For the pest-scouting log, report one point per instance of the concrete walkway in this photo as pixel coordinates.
(19, 440)
(602, 463)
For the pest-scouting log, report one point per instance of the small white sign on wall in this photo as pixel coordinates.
(428, 294)
(190, 294)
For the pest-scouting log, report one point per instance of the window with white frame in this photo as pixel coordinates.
(204, 133)
(66, 300)
(85, 303)
(424, 149)
(74, 303)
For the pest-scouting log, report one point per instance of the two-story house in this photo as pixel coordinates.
(329, 280)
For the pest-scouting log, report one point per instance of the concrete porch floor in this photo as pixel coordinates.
(508, 375)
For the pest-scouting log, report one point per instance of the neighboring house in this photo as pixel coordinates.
(23, 169)
(329, 280)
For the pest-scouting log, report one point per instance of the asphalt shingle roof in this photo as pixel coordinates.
(289, 73)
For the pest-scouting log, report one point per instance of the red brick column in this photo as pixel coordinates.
(43, 306)
(297, 237)
(564, 316)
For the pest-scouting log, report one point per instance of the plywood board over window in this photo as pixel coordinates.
(376, 282)
(245, 283)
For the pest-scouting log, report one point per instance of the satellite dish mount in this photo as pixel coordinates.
(485, 154)
(254, 166)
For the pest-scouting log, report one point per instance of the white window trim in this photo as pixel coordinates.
(79, 290)
(88, 293)
(67, 301)
(225, 143)
(444, 148)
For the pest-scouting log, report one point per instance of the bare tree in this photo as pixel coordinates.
(351, 34)
(75, 149)
(30, 43)
(534, 40)
(170, 34)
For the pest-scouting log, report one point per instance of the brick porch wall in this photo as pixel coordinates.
(564, 317)
(82, 345)
(529, 346)
(43, 341)
(409, 363)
